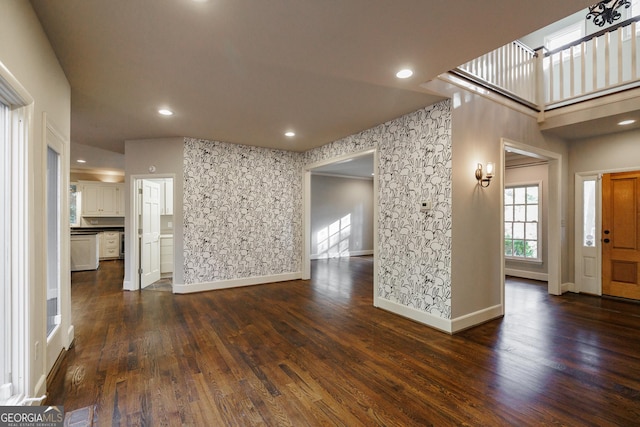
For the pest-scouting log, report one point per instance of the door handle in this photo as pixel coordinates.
(606, 240)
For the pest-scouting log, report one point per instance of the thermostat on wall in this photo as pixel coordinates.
(425, 206)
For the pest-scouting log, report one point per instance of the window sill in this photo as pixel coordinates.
(524, 260)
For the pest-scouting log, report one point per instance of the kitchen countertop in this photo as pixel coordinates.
(83, 232)
(95, 229)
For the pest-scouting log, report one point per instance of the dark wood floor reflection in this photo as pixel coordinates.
(318, 353)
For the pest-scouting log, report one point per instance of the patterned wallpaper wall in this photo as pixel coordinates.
(414, 165)
(242, 211)
(243, 208)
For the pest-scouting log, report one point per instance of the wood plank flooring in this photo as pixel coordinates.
(317, 353)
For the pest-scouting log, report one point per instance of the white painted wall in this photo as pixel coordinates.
(333, 199)
(478, 124)
(27, 54)
(167, 157)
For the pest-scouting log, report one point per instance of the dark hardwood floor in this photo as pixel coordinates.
(318, 353)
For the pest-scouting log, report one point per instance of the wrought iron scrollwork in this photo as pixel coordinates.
(606, 12)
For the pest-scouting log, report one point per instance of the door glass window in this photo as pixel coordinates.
(589, 213)
(53, 239)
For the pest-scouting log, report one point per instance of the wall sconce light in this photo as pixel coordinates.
(485, 180)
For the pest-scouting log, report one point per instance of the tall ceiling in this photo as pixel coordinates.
(246, 71)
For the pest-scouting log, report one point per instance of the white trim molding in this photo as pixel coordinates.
(342, 255)
(445, 325)
(234, 283)
(533, 275)
(474, 319)
(419, 316)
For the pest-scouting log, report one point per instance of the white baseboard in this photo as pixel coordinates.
(445, 325)
(127, 285)
(473, 319)
(70, 336)
(342, 255)
(234, 283)
(544, 277)
(568, 287)
(435, 322)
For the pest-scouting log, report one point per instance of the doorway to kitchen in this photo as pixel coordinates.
(153, 217)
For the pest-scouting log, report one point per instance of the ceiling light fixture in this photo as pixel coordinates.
(404, 74)
(626, 122)
(165, 112)
(290, 134)
(81, 161)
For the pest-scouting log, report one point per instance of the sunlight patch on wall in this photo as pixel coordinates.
(333, 240)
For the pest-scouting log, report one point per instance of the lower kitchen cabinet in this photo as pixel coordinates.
(84, 252)
(166, 254)
(109, 245)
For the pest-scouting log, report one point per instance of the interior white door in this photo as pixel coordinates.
(150, 221)
(588, 263)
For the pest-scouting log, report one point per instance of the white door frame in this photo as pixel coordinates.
(132, 233)
(306, 219)
(62, 335)
(554, 223)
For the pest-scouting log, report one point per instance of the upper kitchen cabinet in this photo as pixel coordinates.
(167, 197)
(102, 199)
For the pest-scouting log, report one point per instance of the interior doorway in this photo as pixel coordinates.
(548, 231)
(154, 238)
(336, 222)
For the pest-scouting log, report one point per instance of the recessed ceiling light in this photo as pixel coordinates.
(626, 122)
(290, 134)
(81, 161)
(404, 74)
(165, 112)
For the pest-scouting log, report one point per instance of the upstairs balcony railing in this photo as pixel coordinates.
(599, 64)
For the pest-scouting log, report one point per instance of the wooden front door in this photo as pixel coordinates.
(621, 234)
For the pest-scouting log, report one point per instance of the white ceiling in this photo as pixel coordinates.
(245, 71)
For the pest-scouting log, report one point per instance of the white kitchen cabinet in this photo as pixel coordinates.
(102, 199)
(168, 197)
(109, 245)
(166, 254)
(84, 252)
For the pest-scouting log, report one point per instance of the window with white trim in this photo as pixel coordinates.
(522, 213)
(5, 267)
(16, 110)
(564, 36)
